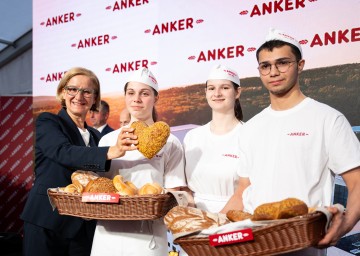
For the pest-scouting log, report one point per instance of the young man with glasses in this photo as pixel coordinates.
(294, 147)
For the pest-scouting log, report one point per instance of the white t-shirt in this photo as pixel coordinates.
(211, 165)
(139, 237)
(296, 153)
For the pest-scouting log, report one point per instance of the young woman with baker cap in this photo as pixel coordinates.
(166, 168)
(65, 143)
(211, 150)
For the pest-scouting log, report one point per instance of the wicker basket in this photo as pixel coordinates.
(283, 236)
(146, 207)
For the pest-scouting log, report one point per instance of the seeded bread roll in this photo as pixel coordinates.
(100, 185)
(151, 138)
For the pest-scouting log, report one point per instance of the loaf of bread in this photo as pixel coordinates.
(83, 177)
(151, 189)
(182, 220)
(287, 208)
(151, 138)
(238, 215)
(124, 188)
(100, 185)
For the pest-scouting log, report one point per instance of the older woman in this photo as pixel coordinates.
(64, 144)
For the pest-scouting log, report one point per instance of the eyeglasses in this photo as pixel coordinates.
(72, 91)
(282, 66)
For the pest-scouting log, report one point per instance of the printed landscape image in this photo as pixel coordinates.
(337, 86)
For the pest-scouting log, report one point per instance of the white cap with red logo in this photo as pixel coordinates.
(144, 75)
(223, 72)
(275, 34)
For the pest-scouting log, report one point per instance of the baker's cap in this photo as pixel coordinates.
(145, 76)
(223, 72)
(275, 34)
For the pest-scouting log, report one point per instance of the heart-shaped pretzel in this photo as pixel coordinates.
(151, 138)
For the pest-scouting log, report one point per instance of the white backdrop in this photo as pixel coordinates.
(123, 33)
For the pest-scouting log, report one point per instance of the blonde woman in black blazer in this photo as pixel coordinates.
(65, 143)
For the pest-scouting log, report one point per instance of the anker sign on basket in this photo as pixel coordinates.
(231, 237)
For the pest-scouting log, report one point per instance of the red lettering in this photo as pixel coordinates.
(125, 4)
(221, 53)
(94, 41)
(355, 34)
(173, 26)
(130, 66)
(342, 36)
(276, 6)
(63, 18)
(54, 77)
(337, 37)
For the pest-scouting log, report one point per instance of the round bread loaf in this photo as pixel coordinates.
(100, 185)
(83, 177)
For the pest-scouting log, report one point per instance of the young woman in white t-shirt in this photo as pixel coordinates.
(211, 150)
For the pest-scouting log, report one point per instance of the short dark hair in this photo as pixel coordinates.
(270, 45)
(105, 108)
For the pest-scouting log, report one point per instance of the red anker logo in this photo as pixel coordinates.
(244, 12)
(147, 31)
(192, 58)
(303, 41)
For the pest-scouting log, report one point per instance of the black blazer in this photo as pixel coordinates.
(59, 151)
(106, 130)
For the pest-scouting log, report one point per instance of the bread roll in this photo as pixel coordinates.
(287, 208)
(74, 188)
(100, 185)
(150, 189)
(83, 177)
(123, 188)
(238, 215)
(132, 185)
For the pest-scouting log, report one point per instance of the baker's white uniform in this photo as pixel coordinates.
(140, 237)
(211, 166)
(296, 153)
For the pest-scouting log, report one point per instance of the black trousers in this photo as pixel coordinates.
(40, 241)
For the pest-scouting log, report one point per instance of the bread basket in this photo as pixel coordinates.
(280, 237)
(145, 207)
